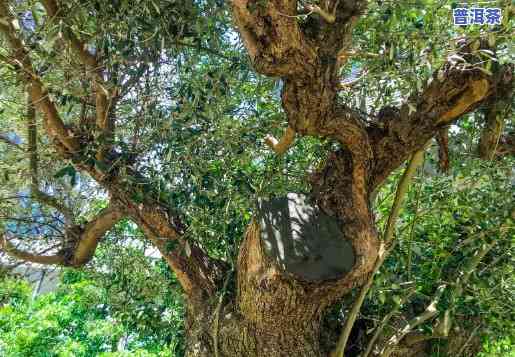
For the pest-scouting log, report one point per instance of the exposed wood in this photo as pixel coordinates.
(477, 90)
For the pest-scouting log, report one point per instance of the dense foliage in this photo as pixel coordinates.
(441, 228)
(94, 314)
(192, 116)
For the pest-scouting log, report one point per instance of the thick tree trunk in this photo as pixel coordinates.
(298, 258)
(270, 315)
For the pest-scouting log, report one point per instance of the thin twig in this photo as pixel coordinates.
(385, 321)
(472, 334)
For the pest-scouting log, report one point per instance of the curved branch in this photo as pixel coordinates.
(431, 311)
(454, 90)
(82, 247)
(280, 46)
(54, 11)
(286, 141)
(385, 248)
(273, 38)
(21, 61)
(102, 95)
(92, 233)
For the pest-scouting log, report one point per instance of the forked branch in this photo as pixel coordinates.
(456, 89)
(81, 242)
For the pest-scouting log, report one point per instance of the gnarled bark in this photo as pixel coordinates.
(274, 312)
(277, 312)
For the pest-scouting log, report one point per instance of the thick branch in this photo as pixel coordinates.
(273, 38)
(281, 146)
(197, 273)
(21, 61)
(386, 246)
(92, 233)
(280, 46)
(81, 242)
(14, 252)
(455, 90)
(102, 95)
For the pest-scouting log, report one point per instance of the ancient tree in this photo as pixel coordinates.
(300, 253)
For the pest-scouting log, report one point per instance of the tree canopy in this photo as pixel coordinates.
(137, 140)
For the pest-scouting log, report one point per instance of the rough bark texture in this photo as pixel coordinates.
(270, 312)
(274, 313)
